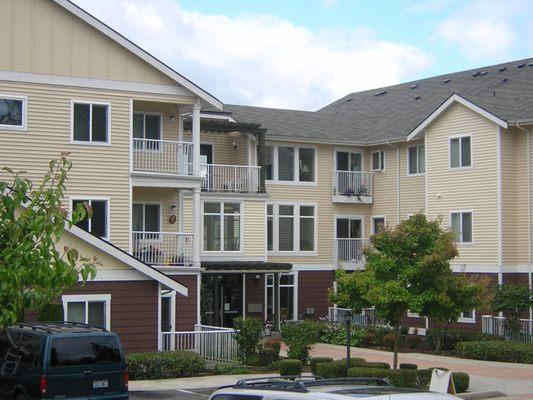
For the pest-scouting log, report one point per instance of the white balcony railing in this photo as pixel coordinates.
(352, 183)
(230, 178)
(164, 249)
(367, 317)
(162, 156)
(495, 325)
(349, 250)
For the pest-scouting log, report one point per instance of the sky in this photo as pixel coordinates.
(303, 54)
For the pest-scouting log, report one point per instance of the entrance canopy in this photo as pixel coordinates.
(246, 266)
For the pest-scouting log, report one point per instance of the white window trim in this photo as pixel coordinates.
(468, 320)
(417, 160)
(374, 217)
(90, 141)
(221, 214)
(460, 243)
(349, 216)
(80, 298)
(296, 228)
(412, 314)
(348, 150)
(381, 160)
(151, 113)
(294, 292)
(108, 209)
(24, 126)
(275, 173)
(150, 203)
(460, 168)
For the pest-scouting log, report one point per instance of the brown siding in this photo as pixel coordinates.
(186, 307)
(255, 294)
(133, 311)
(313, 289)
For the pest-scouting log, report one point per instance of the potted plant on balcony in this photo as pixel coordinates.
(349, 192)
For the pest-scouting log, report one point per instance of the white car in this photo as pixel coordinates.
(302, 388)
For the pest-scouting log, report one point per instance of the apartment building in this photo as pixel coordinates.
(203, 212)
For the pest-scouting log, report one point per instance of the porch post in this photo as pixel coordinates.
(196, 226)
(261, 160)
(276, 302)
(180, 125)
(196, 139)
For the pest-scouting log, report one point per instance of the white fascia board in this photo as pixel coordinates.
(139, 52)
(417, 132)
(127, 259)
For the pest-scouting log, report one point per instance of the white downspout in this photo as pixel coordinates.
(398, 204)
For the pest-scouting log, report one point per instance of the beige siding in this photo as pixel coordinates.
(39, 36)
(510, 156)
(519, 207)
(468, 189)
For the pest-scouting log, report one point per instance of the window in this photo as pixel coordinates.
(460, 152)
(146, 217)
(222, 226)
(92, 309)
(147, 129)
(349, 161)
(468, 316)
(290, 164)
(378, 225)
(378, 160)
(291, 228)
(286, 298)
(206, 153)
(90, 123)
(84, 350)
(13, 113)
(20, 349)
(416, 159)
(461, 224)
(98, 223)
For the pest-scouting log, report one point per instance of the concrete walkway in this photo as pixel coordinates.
(509, 378)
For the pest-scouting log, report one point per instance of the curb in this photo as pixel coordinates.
(481, 395)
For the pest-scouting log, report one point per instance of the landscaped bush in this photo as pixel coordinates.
(273, 343)
(412, 341)
(453, 336)
(290, 367)
(169, 364)
(496, 351)
(379, 333)
(398, 377)
(266, 357)
(423, 377)
(336, 334)
(388, 340)
(408, 366)
(461, 381)
(299, 337)
(249, 333)
(368, 339)
(317, 360)
(380, 365)
(336, 369)
(355, 361)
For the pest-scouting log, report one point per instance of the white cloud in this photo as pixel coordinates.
(261, 59)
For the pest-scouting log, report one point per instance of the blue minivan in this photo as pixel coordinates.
(61, 360)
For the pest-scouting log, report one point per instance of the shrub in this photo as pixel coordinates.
(368, 339)
(496, 351)
(453, 336)
(273, 343)
(336, 334)
(266, 357)
(423, 377)
(290, 367)
(379, 365)
(388, 340)
(461, 381)
(379, 332)
(249, 333)
(397, 377)
(299, 337)
(317, 360)
(169, 364)
(408, 366)
(355, 361)
(336, 369)
(412, 341)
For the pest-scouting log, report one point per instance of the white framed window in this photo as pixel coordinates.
(461, 152)
(378, 160)
(146, 217)
(92, 309)
(13, 112)
(222, 226)
(416, 160)
(147, 130)
(468, 317)
(378, 224)
(346, 160)
(286, 297)
(290, 164)
(98, 223)
(411, 314)
(291, 228)
(90, 122)
(462, 226)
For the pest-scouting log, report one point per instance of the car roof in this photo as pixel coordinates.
(57, 328)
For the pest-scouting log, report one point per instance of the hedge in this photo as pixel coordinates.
(314, 361)
(451, 337)
(398, 377)
(290, 367)
(380, 365)
(460, 379)
(408, 366)
(496, 351)
(168, 364)
(336, 369)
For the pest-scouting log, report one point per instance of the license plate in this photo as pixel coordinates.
(100, 384)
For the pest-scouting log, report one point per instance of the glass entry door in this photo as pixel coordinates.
(221, 299)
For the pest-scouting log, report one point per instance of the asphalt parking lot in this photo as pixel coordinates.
(193, 394)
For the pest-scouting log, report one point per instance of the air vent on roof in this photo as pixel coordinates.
(483, 73)
(414, 86)
(475, 74)
(521, 65)
(381, 93)
(447, 80)
(530, 64)
(501, 69)
(418, 97)
(504, 80)
(349, 99)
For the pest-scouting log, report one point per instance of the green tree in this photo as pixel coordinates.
(33, 272)
(249, 333)
(512, 300)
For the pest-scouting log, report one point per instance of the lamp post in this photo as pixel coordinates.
(348, 321)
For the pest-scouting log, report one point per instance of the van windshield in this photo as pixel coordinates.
(84, 350)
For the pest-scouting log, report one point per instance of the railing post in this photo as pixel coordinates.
(196, 138)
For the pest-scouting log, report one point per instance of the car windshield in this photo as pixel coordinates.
(84, 350)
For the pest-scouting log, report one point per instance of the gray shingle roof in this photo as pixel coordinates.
(391, 113)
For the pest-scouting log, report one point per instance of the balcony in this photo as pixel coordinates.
(348, 250)
(352, 187)
(163, 157)
(163, 248)
(230, 178)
